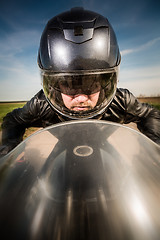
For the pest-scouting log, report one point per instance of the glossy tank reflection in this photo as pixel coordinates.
(81, 180)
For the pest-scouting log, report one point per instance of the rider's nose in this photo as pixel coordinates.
(81, 98)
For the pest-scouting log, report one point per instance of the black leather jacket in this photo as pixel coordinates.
(37, 112)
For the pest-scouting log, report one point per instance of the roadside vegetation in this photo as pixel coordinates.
(6, 107)
(154, 101)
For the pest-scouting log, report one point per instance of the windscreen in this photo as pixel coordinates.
(81, 180)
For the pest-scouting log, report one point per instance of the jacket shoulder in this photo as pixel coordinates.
(39, 105)
(123, 92)
(40, 95)
(125, 96)
(119, 100)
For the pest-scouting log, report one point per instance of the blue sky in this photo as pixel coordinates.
(137, 27)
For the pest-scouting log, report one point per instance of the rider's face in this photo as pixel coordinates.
(80, 102)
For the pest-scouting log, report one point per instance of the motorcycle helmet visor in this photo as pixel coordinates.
(74, 84)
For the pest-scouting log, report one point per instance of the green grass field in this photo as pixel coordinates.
(154, 101)
(8, 107)
(156, 106)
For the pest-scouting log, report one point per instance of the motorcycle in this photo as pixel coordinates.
(81, 180)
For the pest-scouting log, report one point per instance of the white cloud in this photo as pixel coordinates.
(141, 48)
(141, 80)
(19, 81)
(147, 89)
(19, 78)
(17, 42)
(145, 81)
(143, 73)
(20, 85)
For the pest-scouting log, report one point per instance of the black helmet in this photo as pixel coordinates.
(79, 55)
